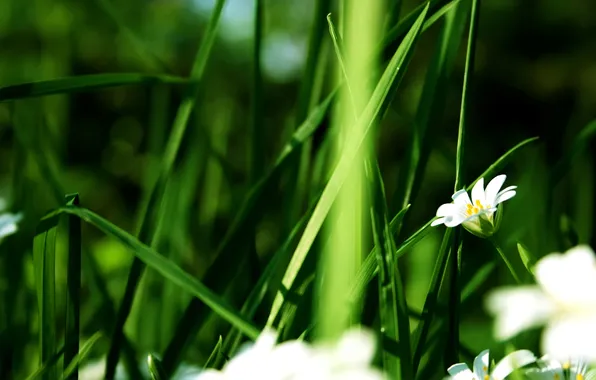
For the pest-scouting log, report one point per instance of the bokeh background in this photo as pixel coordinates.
(535, 75)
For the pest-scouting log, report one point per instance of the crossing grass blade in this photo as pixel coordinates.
(392, 303)
(390, 79)
(431, 105)
(268, 280)
(74, 364)
(73, 284)
(165, 267)
(44, 256)
(151, 205)
(222, 270)
(86, 83)
(45, 367)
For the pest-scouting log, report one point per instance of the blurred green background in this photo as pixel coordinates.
(535, 75)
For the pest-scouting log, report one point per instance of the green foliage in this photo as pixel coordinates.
(206, 149)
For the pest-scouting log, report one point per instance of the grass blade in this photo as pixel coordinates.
(392, 76)
(165, 267)
(392, 303)
(217, 350)
(155, 368)
(44, 254)
(85, 83)
(219, 273)
(151, 204)
(72, 368)
(73, 284)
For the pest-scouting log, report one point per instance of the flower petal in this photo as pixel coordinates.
(478, 192)
(518, 308)
(356, 348)
(502, 197)
(211, 374)
(570, 278)
(446, 209)
(481, 364)
(460, 371)
(493, 187)
(454, 220)
(571, 336)
(509, 363)
(438, 221)
(461, 198)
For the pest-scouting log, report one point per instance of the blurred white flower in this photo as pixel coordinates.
(348, 359)
(8, 221)
(503, 369)
(477, 214)
(550, 369)
(564, 299)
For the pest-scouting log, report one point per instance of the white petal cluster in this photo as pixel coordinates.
(476, 214)
(348, 359)
(481, 371)
(564, 300)
(550, 369)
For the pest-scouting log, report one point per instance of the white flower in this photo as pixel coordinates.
(477, 214)
(550, 369)
(564, 299)
(8, 221)
(503, 369)
(348, 359)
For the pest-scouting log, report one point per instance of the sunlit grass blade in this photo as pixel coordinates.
(73, 284)
(151, 204)
(165, 267)
(269, 278)
(220, 272)
(392, 303)
(85, 83)
(391, 77)
(44, 254)
(45, 367)
(155, 369)
(217, 352)
(73, 365)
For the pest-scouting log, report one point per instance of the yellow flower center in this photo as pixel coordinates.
(473, 209)
(579, 376)
(556, 377)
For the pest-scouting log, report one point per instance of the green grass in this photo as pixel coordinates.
(236, 201)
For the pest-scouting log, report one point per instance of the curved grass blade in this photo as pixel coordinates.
(73, 364)
(166, 268)
(85, 83)
(579, 145)
(151, 205)
(217, 351)
(501, 162)
(391, 77)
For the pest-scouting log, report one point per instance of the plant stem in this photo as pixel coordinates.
(504, 257)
